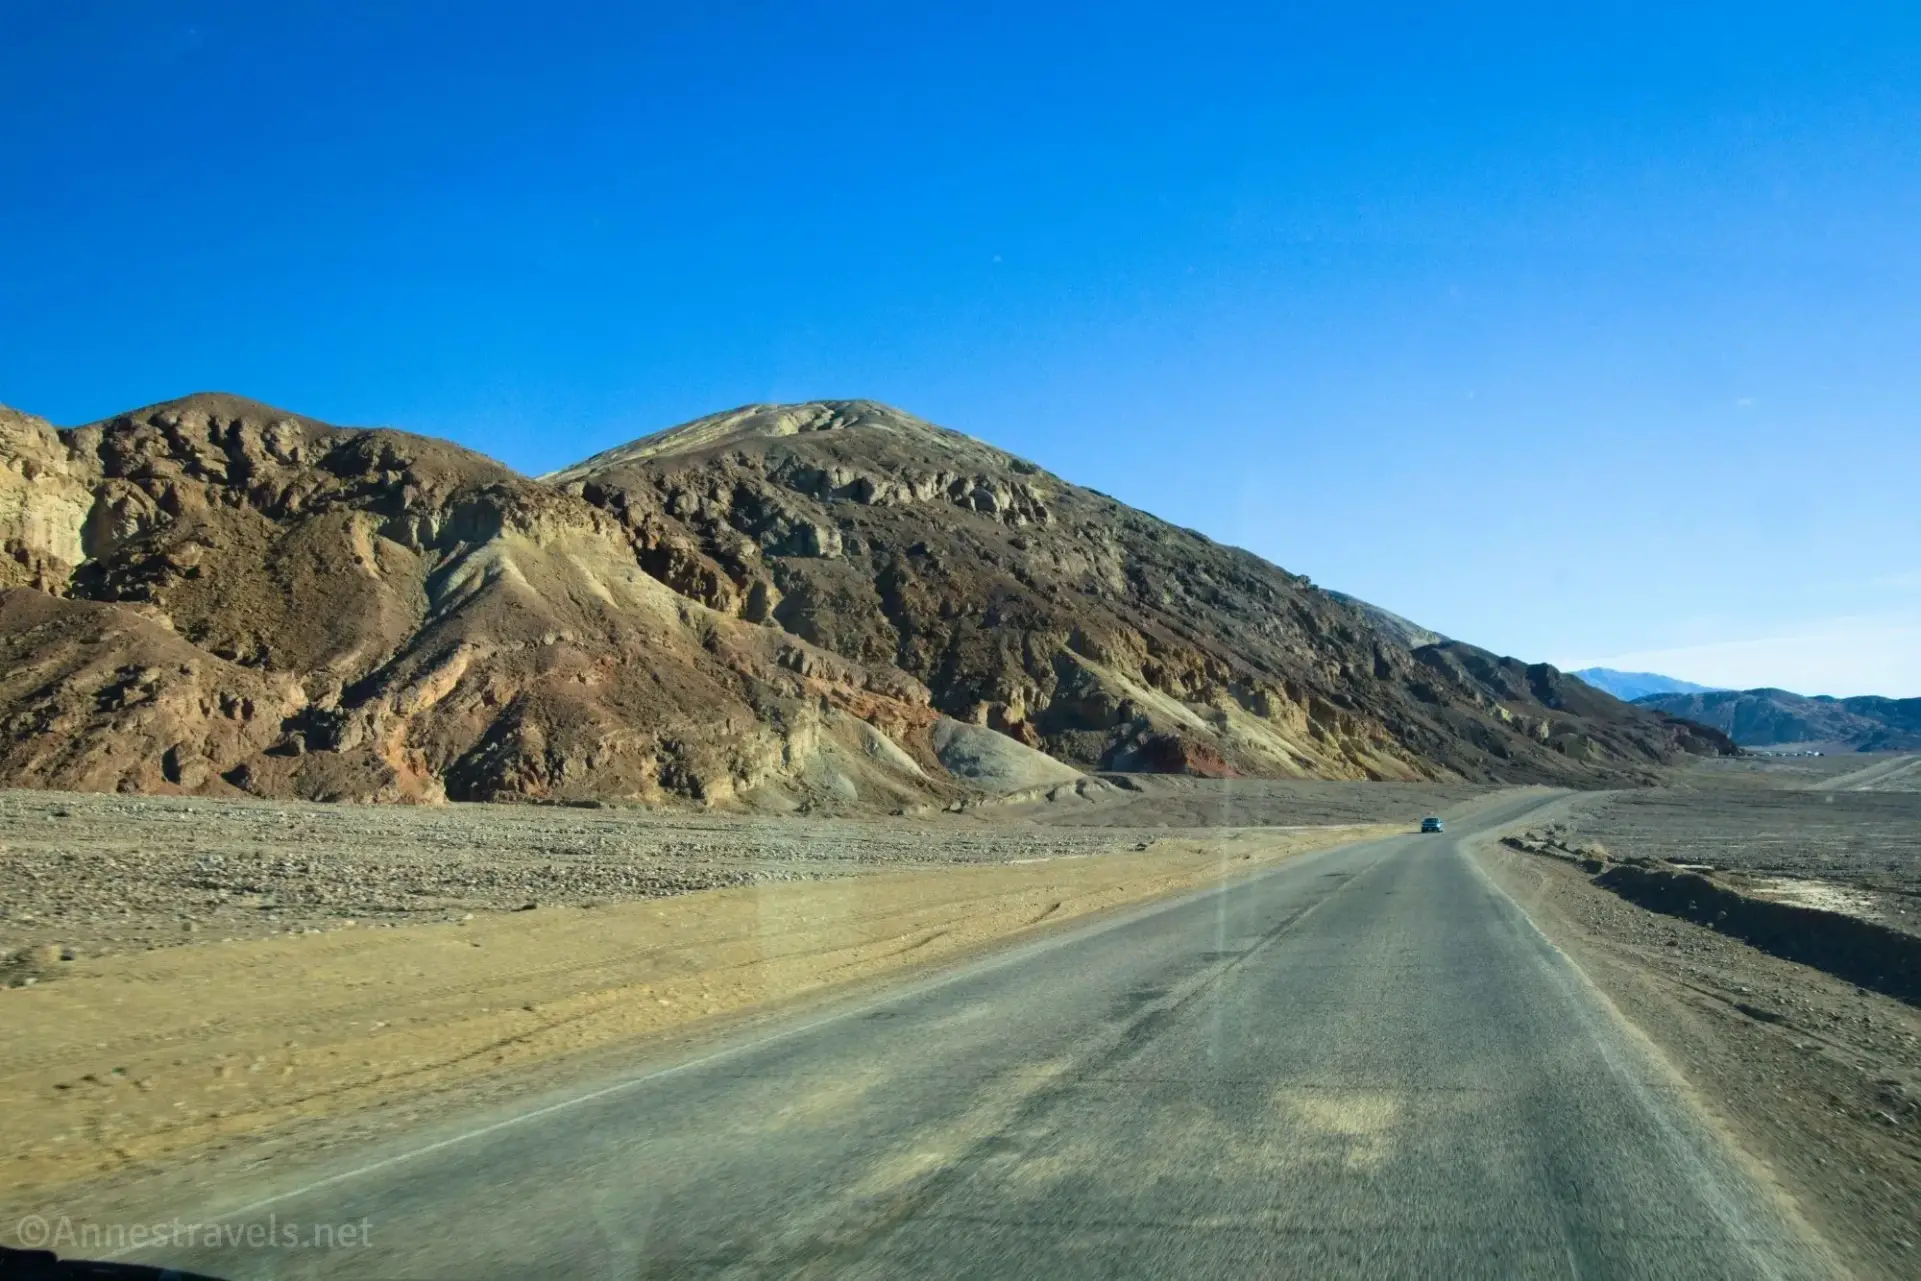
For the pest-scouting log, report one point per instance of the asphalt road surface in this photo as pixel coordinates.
(1365, 1062)
(1900, 772)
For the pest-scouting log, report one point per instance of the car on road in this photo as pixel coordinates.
(1431, 824)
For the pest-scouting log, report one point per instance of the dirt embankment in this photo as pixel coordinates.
(1855, 950)
(129, 1058)
(1818, 1077)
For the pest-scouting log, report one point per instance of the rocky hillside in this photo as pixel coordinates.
(821, 605)
(1409, 634)
(1774, 717)
(1068, 621)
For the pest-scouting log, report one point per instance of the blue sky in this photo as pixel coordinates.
(1585, 338)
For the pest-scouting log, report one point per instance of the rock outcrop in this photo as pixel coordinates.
(45, 502)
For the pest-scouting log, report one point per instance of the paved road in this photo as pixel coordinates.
(1887, 774)
(1363, 1063)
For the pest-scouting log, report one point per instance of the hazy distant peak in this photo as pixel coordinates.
(1629, 686)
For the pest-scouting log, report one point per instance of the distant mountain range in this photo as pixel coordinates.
(1630, 686)
(1771, 717)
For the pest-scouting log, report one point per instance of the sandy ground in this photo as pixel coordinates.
(1818, 1079)
(122, 1059)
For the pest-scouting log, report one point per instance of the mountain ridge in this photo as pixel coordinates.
(777, 605)
(1769, 717)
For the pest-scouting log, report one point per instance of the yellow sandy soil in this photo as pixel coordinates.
(132, 1057)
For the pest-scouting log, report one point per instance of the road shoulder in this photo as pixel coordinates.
(1815, 1080)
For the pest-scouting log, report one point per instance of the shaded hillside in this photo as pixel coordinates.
(1768, 717)
(1631, 686)
(822, 605)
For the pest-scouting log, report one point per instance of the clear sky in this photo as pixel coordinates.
(1585, 338)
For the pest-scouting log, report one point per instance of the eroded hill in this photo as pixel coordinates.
(828, 604)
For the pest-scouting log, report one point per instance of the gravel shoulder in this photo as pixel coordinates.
(1818, 1080)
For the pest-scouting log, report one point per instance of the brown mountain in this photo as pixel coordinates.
(822, 604)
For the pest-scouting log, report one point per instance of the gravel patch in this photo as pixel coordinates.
(103, 873)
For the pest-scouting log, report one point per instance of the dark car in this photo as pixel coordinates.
(1431, 824)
